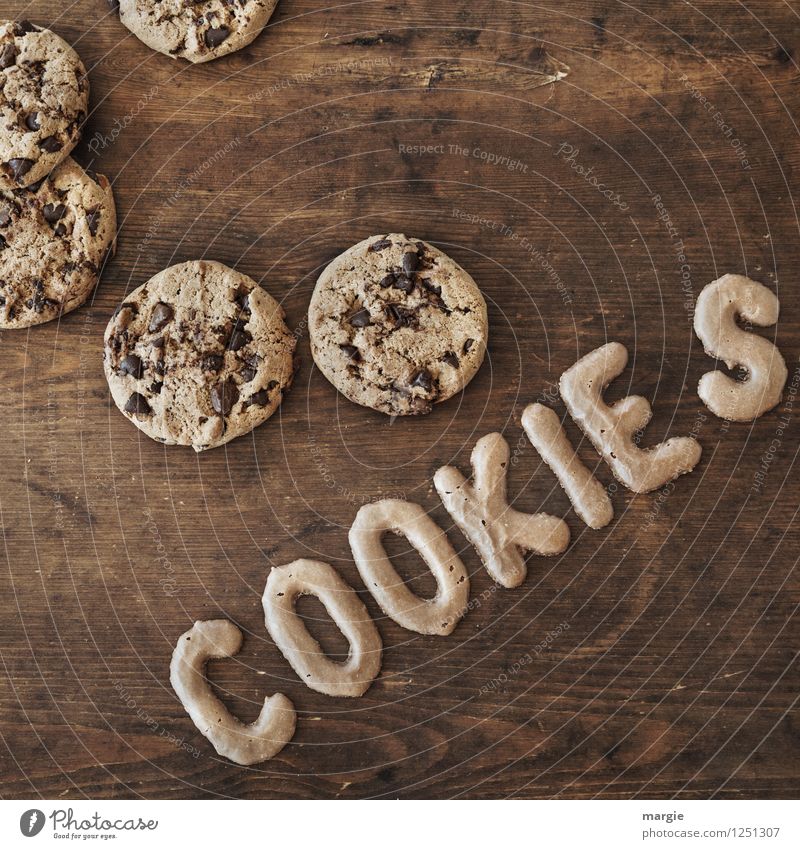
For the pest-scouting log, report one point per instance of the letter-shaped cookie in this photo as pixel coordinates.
(611, 429)
(587, 494)
(715, 325)
(240, 743)
(312, 577)
(499, 532)
(438, 615)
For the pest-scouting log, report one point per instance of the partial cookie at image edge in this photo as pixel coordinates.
(44, 100)
(56, 237)
(198, 32)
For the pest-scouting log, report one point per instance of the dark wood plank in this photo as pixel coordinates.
(677, 673)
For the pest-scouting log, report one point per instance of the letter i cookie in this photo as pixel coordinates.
(587, 495)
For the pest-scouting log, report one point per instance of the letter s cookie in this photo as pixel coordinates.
(715, 324)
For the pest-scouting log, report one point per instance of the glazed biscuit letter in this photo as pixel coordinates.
(243, 744)
(312, 577)
(438, 615)
(611, 429)
(715, 324)
(499, 532)
(587, 494)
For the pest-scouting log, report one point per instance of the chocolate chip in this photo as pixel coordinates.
(36, 303)
(34, 187)
(51, 144)
(93, 220)
(156, 387)
(260, 398)
(351, 352)
(401, 316)
(380, 245)
(410, 262)
(467, 345)
(60, 229)
(388, 280)
(239, 338)
(8, 56)
(21, 27)
(426, 284)
(393, 312)
(5, 216)
(223, 396)
(450, 358)
(32, 121)
(249, 368)
(53, 212)
(404, 283)
(114, 5)
(132, 365)
(216, 35)
(137, 405)
(3, 243)
(212, 362)
(19, 167)
(423, 380)
(360, 318)
(162, 315)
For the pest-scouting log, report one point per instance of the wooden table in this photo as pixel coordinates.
(655, 658)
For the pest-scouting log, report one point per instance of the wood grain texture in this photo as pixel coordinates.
(671, 666)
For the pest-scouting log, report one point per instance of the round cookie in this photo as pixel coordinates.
(200, 30)
(198, 355)
(44, 98)
(396, 325)
(54, 238)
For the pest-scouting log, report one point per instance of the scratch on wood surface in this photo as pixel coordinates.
(718, 678)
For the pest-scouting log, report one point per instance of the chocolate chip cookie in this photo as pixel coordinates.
(44, 96)
(198, 30)
(54, 239)
(396, 325)
(198, 355)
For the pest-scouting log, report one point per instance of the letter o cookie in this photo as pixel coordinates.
(312, 577)
(438, 615)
